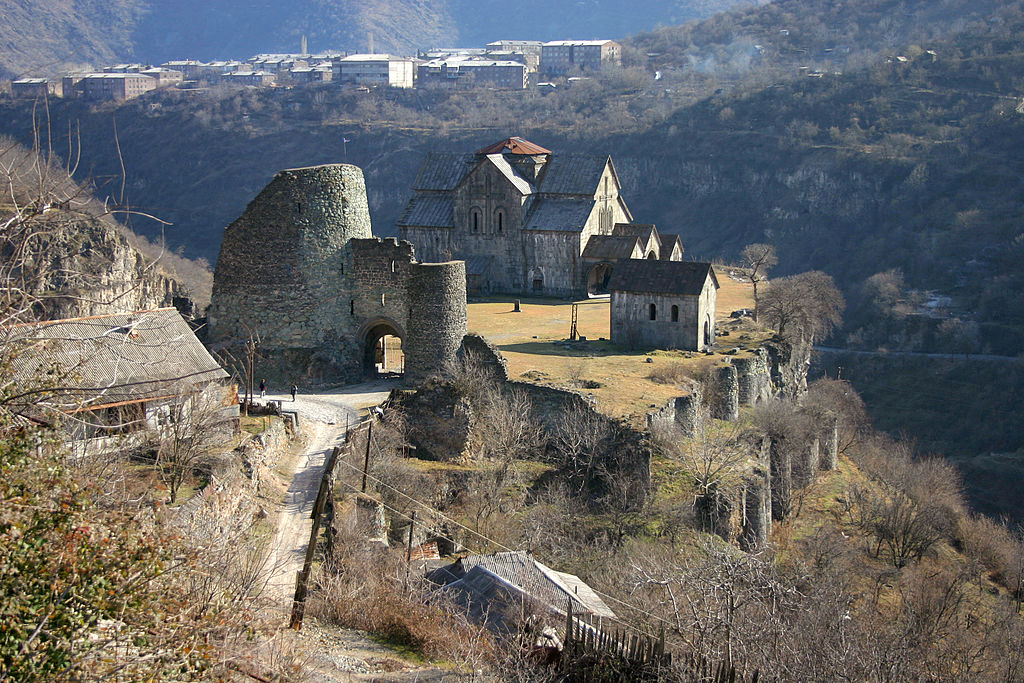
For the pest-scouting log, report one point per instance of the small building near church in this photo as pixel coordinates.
(658, 304)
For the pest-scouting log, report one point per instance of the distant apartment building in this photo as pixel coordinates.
(256, 78)
(124, 69)
(374, 69)
(276, 64)
(525, 51)
(321, 73)
(563, 57)
(189, 68)
(31, 88)
(109, 86)
(472, 72)
(215, 72)
(164, 77)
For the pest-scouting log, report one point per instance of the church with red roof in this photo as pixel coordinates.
(525, 219)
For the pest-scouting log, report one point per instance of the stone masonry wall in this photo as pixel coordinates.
(282, 265)
(481, 351)
(301, 271)
(755, 381)
(437, 318)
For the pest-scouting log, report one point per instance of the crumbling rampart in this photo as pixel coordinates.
(301, 274)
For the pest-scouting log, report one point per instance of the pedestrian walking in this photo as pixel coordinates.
(295, 390)
(263, 388)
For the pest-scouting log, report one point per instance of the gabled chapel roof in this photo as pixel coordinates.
(661, 277)
(612, 247)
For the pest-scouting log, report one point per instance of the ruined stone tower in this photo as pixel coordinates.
(301, 272)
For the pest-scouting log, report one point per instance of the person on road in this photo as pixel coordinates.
(263, 388)
(295, 390)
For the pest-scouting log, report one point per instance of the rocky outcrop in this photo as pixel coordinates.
(84, 266)
(438, 418)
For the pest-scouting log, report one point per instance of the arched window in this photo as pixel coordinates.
(653, 312)
(675, 313)
(475, 220)
(499, 220)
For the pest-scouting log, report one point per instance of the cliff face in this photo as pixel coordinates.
(83, 266)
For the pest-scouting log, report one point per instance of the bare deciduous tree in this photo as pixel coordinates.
(804, 307)
(713, 457)
(759, 259)
(579, 439)
(189, 429)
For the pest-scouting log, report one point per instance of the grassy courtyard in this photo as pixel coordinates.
(620, 381)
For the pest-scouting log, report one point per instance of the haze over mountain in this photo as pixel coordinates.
(47, 36)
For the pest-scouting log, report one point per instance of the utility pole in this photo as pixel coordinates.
(366, 460)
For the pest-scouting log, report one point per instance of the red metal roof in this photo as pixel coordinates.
(513, 145)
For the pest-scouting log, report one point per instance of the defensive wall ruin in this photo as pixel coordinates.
(301, 273)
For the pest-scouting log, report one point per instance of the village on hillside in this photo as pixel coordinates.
(502, 64)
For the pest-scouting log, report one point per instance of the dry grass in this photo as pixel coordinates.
(620, 381)
(368, 588)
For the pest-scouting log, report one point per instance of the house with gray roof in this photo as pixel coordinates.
(106, 377)
(504, 590)
(657, 304)
(525, 219)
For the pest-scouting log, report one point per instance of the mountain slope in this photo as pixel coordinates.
(49, 36)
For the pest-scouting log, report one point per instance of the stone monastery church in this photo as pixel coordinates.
(528, 221)
(301, 274)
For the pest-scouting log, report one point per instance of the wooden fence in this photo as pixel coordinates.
(592, 654)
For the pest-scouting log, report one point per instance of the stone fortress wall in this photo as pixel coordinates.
(301, 271)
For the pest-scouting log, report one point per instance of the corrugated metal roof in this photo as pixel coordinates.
(100, 360)
(612, 247)
(431, 211)
(513, 145)
(443, 172)
(563, 215)
(573, 174)
(661, 277)
(518, 181)
(540, 583)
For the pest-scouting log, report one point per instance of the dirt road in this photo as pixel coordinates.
(323, 417)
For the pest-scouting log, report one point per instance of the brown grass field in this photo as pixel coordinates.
(528, 341)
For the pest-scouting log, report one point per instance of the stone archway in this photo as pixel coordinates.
(597, 279)
(382, 341)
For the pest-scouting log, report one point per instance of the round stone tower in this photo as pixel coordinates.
(437, 318)
(283, 265)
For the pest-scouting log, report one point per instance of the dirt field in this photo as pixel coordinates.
(531, 341)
